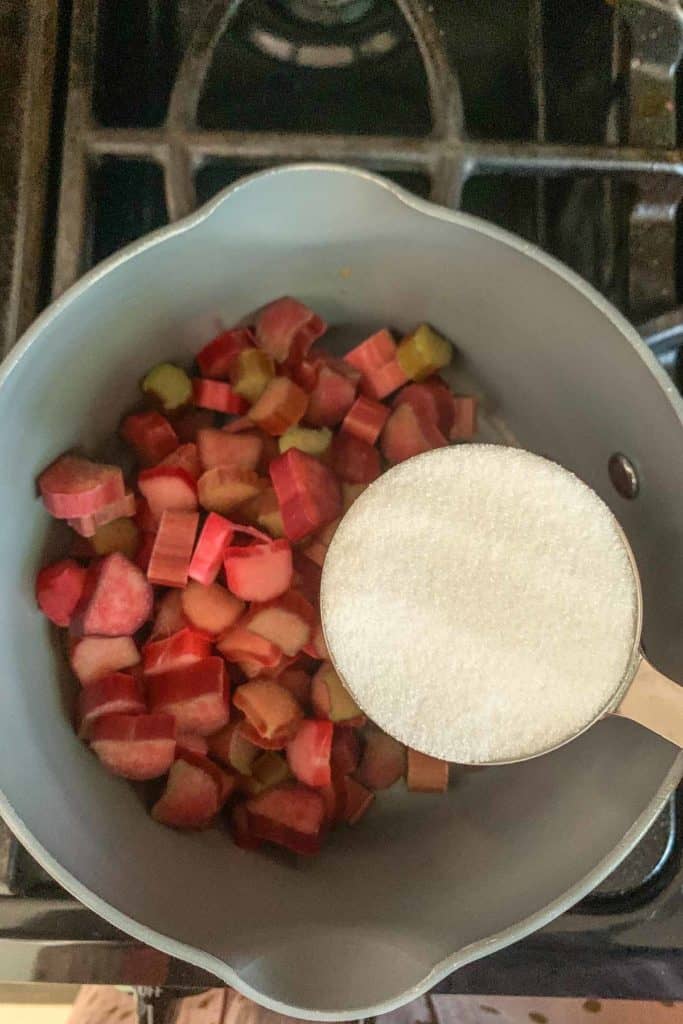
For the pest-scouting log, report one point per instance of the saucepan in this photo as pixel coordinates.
(423, 884)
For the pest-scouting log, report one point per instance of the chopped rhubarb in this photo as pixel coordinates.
(169, 617)
(445, 403)
(259, 572)
(280, 407)
(316, 551)
(269, 769)
(87, 526)
(135, 746)
(313, 442)
(150, 435)
(264, 510)
(169, 385)
(238, 425)
(345, 754)
(307, 491)
(268, 707)
(180, 650)
(93, 657)
(59, 588)
(286, 329)
(424, 400)
(330, 698)
(223, 488)
(144, 552)
(207, 559)
(465, 418)
(190, 422)
(210, 608)
(191, 798)
(229, 746)
(349, 494)
(383, 761)
(118, 693)
(365, 419)
(298, 682)
(308, 754)
(333, 394)
(72, 487)
(276, 742)
(240, 644)
(241, 451)
(307, 577)
(356, 799)
(216, 358)
(116, 600)
(406, 434)
(376, 359)
(120, 535)
(186, 457)
(286, 621)
(168, 488)
(355, 461)
(426, 774)
(423, 352)
(290, 815)
(251, 373)
(191, 743)
(144, 519)
(239, 827)
(218, 396)
(172, 551)
(196, 696)
(316, 647)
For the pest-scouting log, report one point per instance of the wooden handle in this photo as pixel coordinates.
(656, 702)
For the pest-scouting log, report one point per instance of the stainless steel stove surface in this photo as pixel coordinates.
(559, 121)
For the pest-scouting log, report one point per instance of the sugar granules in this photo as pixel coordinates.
(480, 603)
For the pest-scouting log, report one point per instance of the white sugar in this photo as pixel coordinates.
(480, 603)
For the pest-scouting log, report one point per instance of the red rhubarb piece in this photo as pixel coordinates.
(59, 588)
(365, 419)
(346, 747)
(118, 693)
(406, 434)
(376, 359)
(168, 488)
(124, 508)
(150, 435)
(333, 393)
(290, 815)
(196, 696)
(224, 487)
(218, 448)
(298, 682)
(268, 707)
(190, 422)
(281, 406)
(353, 460)
(218, 396)
(207, 559)
(259, 572)
(307, 491)
(356, 799)
(229, 746)
(210, 608)
(215, 359)
(172, 551)
(286, 621)
(116, 600)
(241, 645)
(93, 657)
(169, 618)
(287, 328)
(191, 798)
(465, 420)
(191, 743)
(426, 774)
(185, 457)
(135, 746)
(72, 487)
(308, 754)
(177, 651)
(383, 761)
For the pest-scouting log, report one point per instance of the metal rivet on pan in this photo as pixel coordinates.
(623, 475)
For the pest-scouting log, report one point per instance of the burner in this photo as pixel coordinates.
(328, 12)
(323, 33)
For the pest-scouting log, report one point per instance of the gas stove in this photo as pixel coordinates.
(559, 121)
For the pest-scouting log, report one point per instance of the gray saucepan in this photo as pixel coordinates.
(424, 884)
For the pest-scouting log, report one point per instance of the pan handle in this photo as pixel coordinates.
(655, 701)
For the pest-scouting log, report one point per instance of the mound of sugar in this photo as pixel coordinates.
(480, 603)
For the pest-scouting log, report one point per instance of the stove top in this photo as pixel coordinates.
(560, 122)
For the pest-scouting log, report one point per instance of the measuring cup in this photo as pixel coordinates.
(642, 693)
